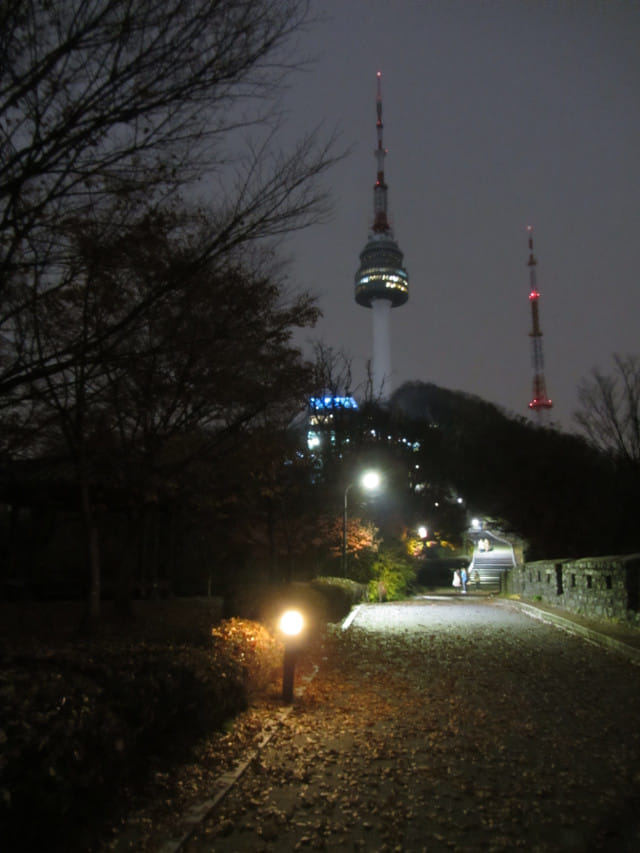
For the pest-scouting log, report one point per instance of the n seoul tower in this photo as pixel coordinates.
(540, 403)
(381, 283)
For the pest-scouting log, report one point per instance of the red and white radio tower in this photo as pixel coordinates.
(540, 403)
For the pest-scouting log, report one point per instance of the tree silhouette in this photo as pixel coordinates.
(609, 409)
(109, 111)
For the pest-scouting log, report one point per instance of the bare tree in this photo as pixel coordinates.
(200, 369)
(609, 413)
(108, 109)
(139, 158)
(333, 374)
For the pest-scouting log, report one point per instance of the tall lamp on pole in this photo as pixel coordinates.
(370, 480)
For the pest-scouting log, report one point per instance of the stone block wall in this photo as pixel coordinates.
(600, 587)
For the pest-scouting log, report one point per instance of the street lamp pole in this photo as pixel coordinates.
(370, 481)
(344, 532)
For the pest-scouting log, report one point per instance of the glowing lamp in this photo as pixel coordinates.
(371, 480)
(291, 623)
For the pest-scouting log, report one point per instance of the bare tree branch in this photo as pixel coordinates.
(107, 109)
(609, 412)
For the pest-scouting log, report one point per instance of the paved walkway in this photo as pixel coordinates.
(624, 637)
(445, 724)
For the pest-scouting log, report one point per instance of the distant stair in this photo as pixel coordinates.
(491, 564)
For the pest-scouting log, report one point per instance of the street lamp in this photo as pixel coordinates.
(370, 480)
(291, 625)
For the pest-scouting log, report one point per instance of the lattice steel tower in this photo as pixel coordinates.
(540, 403)
(382, 282)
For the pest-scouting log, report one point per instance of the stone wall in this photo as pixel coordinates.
(600, 587)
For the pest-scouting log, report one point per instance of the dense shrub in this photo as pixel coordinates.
(393, 576)
(340, 594)
(78, 722)
(256, 652)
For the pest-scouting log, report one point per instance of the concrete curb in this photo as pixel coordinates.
(630, 652)
(199, 813)
(352, 615)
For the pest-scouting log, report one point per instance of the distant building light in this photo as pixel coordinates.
(313, 440)
(332, 403)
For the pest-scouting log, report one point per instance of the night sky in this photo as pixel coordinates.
(496, 115)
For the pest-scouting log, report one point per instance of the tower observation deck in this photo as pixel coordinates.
(381, 282)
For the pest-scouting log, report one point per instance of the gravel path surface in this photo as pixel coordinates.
(446, 725)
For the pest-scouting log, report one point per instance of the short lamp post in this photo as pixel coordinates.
(370, 481)
(423, 533)
(291, 626)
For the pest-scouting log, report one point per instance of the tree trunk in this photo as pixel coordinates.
(124, 589)
(273, 547)
(154, 551)
(93, 557)
(10, 563)
(171, 557)
(287, 539)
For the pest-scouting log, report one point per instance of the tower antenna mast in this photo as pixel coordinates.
(380, 221)
(540, 403)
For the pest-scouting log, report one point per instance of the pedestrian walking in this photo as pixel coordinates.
(456, 579)
(463, 580)
(476, 578)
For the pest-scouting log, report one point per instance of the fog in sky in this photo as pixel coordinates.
(496, 115)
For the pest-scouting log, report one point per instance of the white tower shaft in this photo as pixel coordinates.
(381, 361)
